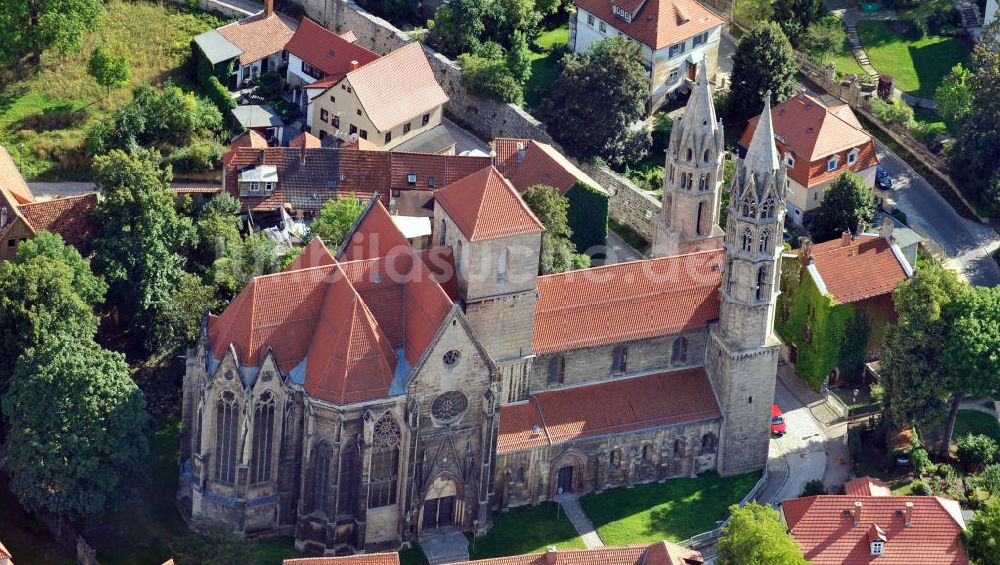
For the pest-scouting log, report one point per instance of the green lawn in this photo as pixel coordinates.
(674, 510)
(545, 54)
(930, 119)
(844, 61)
(527, 529)
(917, 65)
(976, 422)
(44, 110)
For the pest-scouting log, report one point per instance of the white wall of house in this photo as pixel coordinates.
(256, 68)
(801, 199)
(295, 76)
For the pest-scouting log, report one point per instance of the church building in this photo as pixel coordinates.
(375, 394)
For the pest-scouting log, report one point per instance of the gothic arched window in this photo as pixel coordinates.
(668, 201)
(702, 183)
(197, 431)
(765, 241)
(690, 154)
(749, 207)
(227, 422)
(616, 458)
(385, 462)
(322, 460)
(697, 226)
(347, 479)
(729, 275)
(647, 455)
(708, 443)
(708, 155)
(761, 283)
(767, 209)
(679, 354)
(747, 244)
(263, 439)
(519, 476)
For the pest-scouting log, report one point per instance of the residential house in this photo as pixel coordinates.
(260, 118)
(836, 301)
(391, 101)
(21, 217)
(251, 46)
(859, 528)
(817, 144)
(526, 162)
(677, 37)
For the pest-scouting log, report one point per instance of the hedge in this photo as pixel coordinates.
(588, 216)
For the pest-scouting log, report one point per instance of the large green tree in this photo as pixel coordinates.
(983, 536)
(756, 535)
(764, 61)
(335, 219)
(109, 70)
(823, 38)
(558, 253)
(458, 26)
(847, 203)
(140, 237)
(796, 16)
(598, 98)
(31, 26)
(47, 289)
(953, 98)
(77, 420)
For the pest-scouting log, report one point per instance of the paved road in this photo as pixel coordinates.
(803, 448)
(967, 242)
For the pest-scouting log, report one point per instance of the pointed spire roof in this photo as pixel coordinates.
(762, 154)
(700, 110)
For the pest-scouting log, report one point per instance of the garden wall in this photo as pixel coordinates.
(629, 205)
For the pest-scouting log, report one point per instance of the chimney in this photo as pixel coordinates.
(268, 8)
(550, 555)
(354, 65)
(885, 230)
(861, 228)
(521, 151)
(908, 514)
(845, 238)
(856, 513)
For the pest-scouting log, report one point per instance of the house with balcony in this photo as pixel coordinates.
(817, 143)
(676, 36)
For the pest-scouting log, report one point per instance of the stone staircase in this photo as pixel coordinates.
(446, 546)
(859, 51)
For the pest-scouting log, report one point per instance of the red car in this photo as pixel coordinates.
(778, 425)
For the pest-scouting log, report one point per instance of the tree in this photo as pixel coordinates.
(491, 78)
(458, 26)
(847, 204)
(140, 236)
(916, 386)
(557, 252)
(77, 428)
(597, 98)
(823, 38)
(976, 450)
(953, 98)
(335, 219)
(796, 16)
(983, 535)
(813, 488)
(181, 316)
(989, 479)
(46, 289)
(110, 71)
(31, 26)
(519, 57)
(217, 226)
(764, 61)
(756, 535)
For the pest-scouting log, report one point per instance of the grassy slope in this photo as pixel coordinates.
(975, 422)
(47, 108)
(546, 51)
(917, 65)
(674, 510)
(527, 529)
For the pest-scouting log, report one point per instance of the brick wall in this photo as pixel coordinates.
(629, 205)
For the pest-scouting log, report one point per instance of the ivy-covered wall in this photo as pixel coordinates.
(588, 216)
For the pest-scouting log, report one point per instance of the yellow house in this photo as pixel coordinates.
(390, 101)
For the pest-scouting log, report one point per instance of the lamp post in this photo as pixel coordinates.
(559, 491)
(475, 534)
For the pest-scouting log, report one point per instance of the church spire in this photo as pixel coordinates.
(699, 113)
(762, 154)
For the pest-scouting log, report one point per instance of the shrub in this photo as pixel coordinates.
(199, 156)
(219, 95)
(896, 113)
(269, 84)
(663, 124)
(975, 450)
(490, 78)
(588, 216)
(813, 488)
(920, 488)
(920, 460)
(990, 479)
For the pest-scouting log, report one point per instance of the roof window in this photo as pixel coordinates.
(411, 179)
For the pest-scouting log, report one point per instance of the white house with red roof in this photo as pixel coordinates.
(817, 144)
(677, 37)
(255, 44)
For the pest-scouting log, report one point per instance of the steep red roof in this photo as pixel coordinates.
(609, 407)
(258, 36)
(866, 486)
(326, 50)
(659, 553)
(859, 268)
(440, 261)
(314, 255)
(398, 87)
(813, 133)
(363, 559)
(376, 235)
(659, 23)
(485, 206)
(67, 216)
(248, 138)
(626, 301)
(305, 138)
(11, 179)
(825, 530)
(526, 162)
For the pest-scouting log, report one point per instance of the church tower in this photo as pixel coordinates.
(742, 356)
(692, 176)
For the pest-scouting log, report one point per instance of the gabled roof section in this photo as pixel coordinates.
(855, 269)
(325, 50)
(304, 139)
(398, 87)
(11, 179)
(314, 255)
(866, 486)
(248, 138)
(373, 235)
(68, 216)
(609, 407)
(257, 36)
(626, 301)
(526, 162)
(656, 23)
(485, 206)
(659, 553)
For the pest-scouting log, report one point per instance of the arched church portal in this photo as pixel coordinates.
(442, 505)
(567, 473)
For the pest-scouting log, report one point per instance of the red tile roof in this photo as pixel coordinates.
(859, 269)
(376, 235)
(258, 36)
(828, 536)
(610, 407)
(314, 255)
(626, 301)
(4, 553)
(326, 50)
(537, 163)
(813, 133)
(68, 216)
(397, 87)
(866, 486)
(363, 559)
(659, 23)
(304, 138)
(11, 179)
(659, 553)
(440, 261)
(248, 138)
(485, 206)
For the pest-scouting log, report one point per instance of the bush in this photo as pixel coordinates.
(990, 479)
(813, 488)
(269, 84)
(663, 124)
(975, 450)
(920, 488)
(490, 78)
(219, 95)
(587, 216)
(199, 156)
(920, 460)
(896, 113)
(944, 20)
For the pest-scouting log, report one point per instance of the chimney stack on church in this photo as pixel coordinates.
(856, 513)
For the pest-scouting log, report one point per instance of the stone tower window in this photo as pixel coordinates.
(321, 477)
(749, 207)
(263, 438)
(347, 480)
(444, 229)
(668, 201)
(690, 154)
(765, 241)
(679, 354)
(708, 443)
(698, 219)
(385, 462)
(227, 421)
(708, 155)
(616, 458)
(767, 210)
(747, 240)
(761, 283)
(729, 275)
(619, 359)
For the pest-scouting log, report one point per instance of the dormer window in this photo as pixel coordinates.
(878, 547)
(254, 187)
(411, 179)
(852, 157)
(789, 160)
(623, 13)
(832, 164)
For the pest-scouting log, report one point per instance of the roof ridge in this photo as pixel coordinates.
(623, 263)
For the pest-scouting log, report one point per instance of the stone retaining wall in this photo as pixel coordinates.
(629, 205)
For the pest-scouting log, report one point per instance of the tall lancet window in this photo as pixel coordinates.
(227, 422)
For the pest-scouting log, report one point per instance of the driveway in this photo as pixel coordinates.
(966, 242)
(801, 451)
